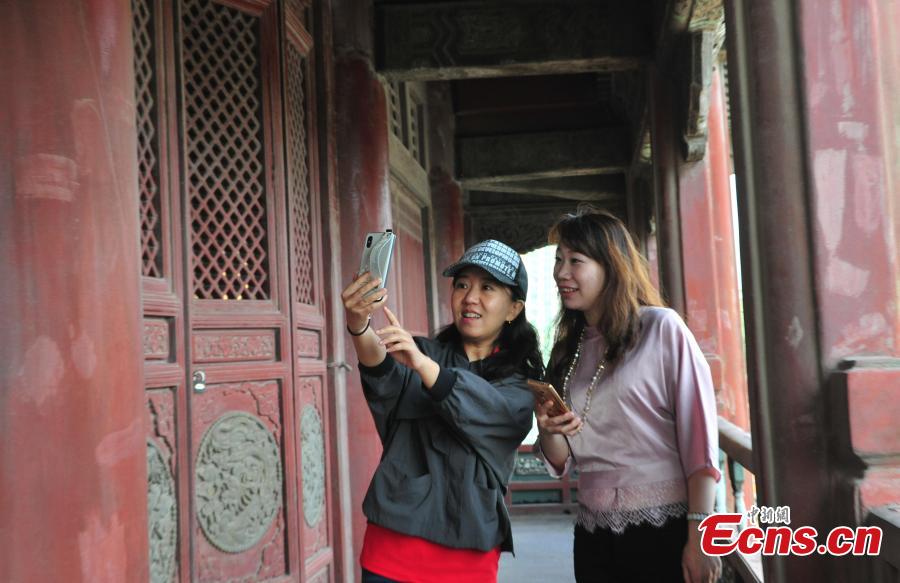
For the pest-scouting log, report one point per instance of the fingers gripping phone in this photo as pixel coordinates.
(544, 392)
(376, 256)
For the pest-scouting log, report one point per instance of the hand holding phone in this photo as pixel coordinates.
(544, 392)
(378, 249)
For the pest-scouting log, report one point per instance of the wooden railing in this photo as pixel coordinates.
(532, 490)
(738, 447)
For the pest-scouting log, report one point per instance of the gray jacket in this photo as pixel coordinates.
(449, 451)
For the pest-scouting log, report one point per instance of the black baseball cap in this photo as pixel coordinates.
(498, 259)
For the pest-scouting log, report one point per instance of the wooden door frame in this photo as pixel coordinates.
(273, 314)
(311, 317)
(335, 345)
(163, 305)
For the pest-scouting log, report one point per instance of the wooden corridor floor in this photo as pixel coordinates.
(543, 550)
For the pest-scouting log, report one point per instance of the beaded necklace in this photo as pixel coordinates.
(601, 366)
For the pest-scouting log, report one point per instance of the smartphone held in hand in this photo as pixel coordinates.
(544, 392)
(376, 256)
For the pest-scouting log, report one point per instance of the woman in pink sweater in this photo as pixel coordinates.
(642, 430)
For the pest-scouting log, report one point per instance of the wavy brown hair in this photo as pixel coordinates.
(605, 239)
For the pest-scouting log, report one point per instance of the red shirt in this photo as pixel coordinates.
(411, 559)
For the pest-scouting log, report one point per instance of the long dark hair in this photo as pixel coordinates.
(519, 350)
(605, 239)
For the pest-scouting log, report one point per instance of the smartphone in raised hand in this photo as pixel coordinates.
(544, 392)
(378, 248)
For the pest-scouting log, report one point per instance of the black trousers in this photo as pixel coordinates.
(642, 553)
(370, 577)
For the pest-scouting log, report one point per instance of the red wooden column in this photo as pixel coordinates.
(668, 250)
(850, 77)
(361, 144)
(73, 467)
(710, 267)
(815, 120)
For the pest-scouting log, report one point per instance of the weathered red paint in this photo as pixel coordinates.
(818, 219)
(710, 267)
(872, 395)
(73, 474)
(880, 488)
(697, 200)
(851, 74)
(362, 173)
(851, 118)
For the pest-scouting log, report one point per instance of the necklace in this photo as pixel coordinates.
(601, 366)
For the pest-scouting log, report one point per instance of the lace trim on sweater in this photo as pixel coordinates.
(618, 508)
(618, 520)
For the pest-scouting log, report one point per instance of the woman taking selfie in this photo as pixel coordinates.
(450, 413)
(642, 430)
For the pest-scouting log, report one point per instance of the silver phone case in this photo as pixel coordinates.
(376, 257)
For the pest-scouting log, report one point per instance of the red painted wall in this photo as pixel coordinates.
(73, 469)
(362, 185)
(851, 67)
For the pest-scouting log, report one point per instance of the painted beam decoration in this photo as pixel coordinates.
(698, 79)
(494, 159)
(696, 28)
(484, 39)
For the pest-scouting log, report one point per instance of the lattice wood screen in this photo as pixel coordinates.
(224, 148)
(406, 113)
(148, 143)
(299, 9)
(298, 177)
(415, 142)
(396, 110)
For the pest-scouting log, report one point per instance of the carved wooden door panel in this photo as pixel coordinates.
(307, 301)
(162, 295)
(243, 458)
(238, 418)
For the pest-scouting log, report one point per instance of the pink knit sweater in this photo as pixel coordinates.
(652, 424)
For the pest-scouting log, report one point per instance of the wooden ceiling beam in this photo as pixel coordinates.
(459, 40)
(511, 158)
(578, 188)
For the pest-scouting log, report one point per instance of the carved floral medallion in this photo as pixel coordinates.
(238, 482)
(162, 510)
